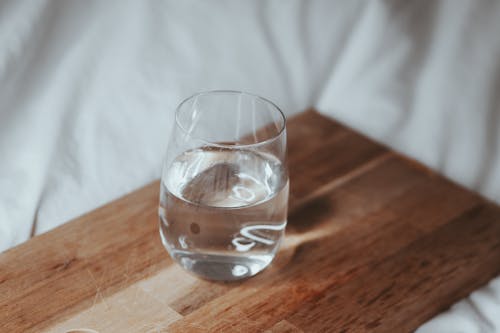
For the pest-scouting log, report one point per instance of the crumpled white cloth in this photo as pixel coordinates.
(89, 88)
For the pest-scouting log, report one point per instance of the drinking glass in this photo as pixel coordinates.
(224, 186)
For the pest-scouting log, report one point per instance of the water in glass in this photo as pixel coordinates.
(223, 210)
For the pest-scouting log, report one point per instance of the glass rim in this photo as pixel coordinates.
(232, 92)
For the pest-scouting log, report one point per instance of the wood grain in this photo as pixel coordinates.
(375, 242)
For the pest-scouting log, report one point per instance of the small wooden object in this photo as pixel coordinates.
(375, 242)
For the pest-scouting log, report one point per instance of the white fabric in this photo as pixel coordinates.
(88, 91)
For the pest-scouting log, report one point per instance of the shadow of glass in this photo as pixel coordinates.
(310, 216)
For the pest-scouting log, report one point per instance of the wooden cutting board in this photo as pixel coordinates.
(375, 242)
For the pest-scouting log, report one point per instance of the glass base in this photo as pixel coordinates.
(220, 267)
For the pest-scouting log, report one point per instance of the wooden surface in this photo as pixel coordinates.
(375, 242)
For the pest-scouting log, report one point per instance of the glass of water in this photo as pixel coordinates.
(224, 187)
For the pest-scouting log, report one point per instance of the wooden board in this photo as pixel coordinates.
(375, 242)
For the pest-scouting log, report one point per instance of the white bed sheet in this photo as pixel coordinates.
(88, 91)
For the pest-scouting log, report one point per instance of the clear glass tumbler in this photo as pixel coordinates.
(224, 187)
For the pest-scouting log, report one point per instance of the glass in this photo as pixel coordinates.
(224, 187)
